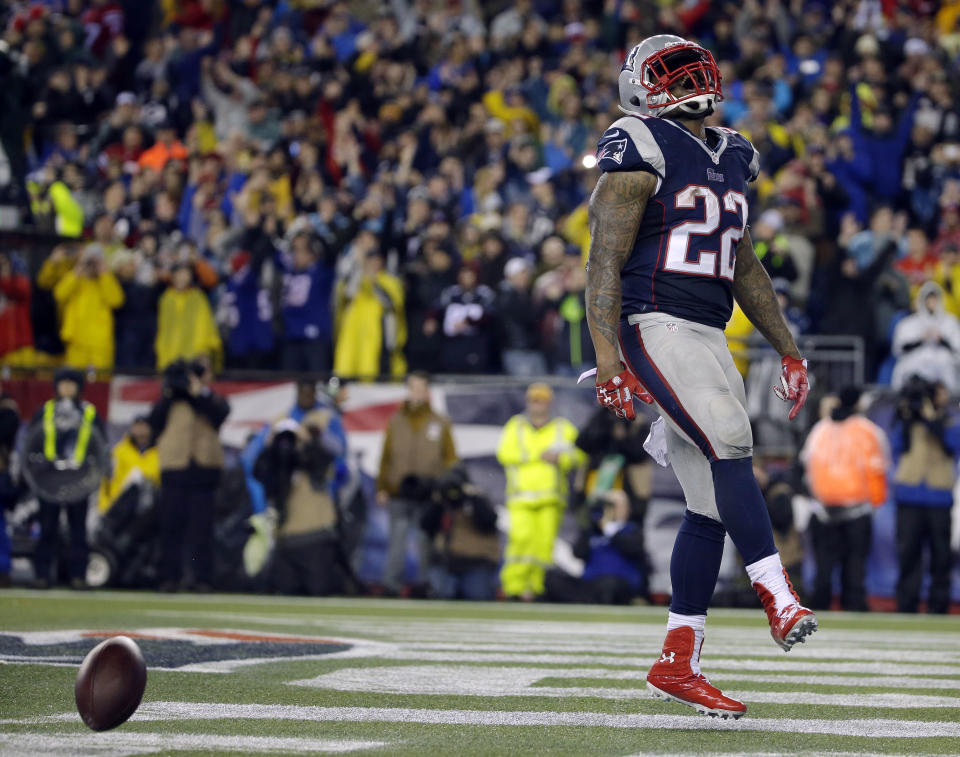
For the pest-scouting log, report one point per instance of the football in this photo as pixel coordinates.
(110, 683)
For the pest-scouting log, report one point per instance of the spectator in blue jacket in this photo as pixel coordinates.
(883, 147)
(926, 442)
(614, 570)
(308, 276)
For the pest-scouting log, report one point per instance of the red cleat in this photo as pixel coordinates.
(671, 679)
(791, 624)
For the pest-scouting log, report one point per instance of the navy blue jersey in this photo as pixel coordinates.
(305, 300)
(248, 312)
(683, 259)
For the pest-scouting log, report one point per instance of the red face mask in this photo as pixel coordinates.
(689, 65)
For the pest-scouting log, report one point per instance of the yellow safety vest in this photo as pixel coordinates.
(83, 435)
(529, 478)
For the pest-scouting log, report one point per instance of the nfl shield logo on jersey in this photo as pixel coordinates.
(673, 328)
(613, 150)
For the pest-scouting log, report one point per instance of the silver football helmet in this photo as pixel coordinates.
(665, 75)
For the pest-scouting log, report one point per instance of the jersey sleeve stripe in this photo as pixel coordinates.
(754, 164)
(646, 143)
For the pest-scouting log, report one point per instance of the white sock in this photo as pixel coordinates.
(769, 572)
(697, 623)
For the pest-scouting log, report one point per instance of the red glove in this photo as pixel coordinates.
(617, 394)
(794, 386)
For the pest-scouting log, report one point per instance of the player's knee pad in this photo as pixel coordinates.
(731, 428)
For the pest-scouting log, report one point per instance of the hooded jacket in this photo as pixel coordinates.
(918, 351)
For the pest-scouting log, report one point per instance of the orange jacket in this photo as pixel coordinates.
(157, 156)
(847, 462)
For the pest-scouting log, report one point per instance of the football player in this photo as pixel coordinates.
(669, 251)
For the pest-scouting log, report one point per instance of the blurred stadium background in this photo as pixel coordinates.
(299, 188)
(297, 204)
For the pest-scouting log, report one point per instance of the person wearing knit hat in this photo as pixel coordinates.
(69, 434)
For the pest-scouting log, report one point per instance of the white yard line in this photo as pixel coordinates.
(877, 728)
(853, 699)
(119, 744)
(780, 664)
(547, 658)
(813, 650)
(484, 681)
(766, 754)
(636, 627)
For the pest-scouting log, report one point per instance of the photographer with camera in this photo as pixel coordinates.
(926, 444)
(297, 468)
(611, 547)
(418, 446)
(464, 554)
(186, 423)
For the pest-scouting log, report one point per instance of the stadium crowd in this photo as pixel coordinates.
(372, 187)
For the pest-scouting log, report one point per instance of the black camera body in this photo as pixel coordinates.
(417, 489)
(913, 395)
(176, 376)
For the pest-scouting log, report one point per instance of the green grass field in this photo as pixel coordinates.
(238, 674)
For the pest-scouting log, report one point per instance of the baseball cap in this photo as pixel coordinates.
(515, 266)
(772, 218)
(539, 391)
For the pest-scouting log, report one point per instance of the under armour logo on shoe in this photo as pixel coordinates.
(667, 657)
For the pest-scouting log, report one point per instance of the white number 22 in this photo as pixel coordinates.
(678, 244)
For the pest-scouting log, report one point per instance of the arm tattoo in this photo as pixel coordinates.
(616, 209)
(754, 292)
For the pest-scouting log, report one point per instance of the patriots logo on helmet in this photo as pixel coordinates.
(613, 150)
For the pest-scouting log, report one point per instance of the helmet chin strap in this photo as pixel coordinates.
(694, 108)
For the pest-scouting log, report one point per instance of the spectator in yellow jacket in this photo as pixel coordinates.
(134, 461)
(87, 297)
(185, 325)
(56, 266)
(537, 453)
(947, 275)
(370, 320)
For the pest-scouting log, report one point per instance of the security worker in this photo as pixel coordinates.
(66, 411)
(537, 453)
